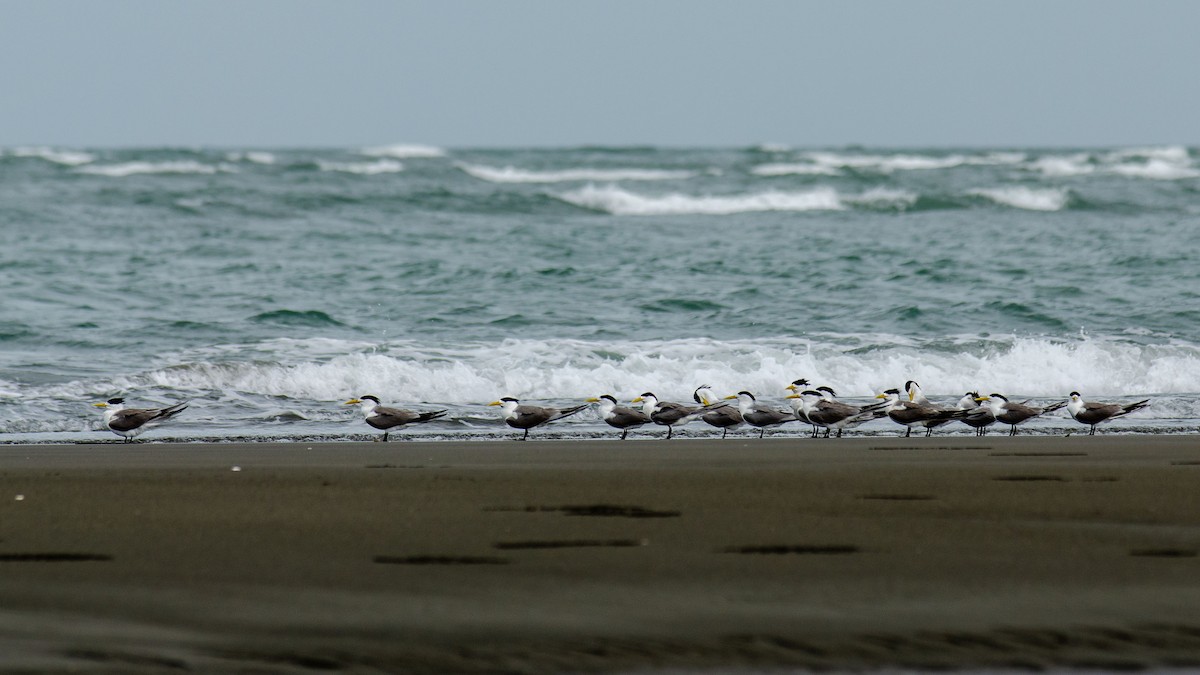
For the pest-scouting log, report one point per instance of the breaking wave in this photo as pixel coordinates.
(510, 174)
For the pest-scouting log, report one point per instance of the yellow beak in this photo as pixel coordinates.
(792, 396)
(881, 396)
(592, 400)
(100, 405)
(352, 401)
(911, 395)
(729, 398)
(495, 403)
(983, 398)
(637, 400)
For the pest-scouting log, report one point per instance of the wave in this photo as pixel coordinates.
(510, 174)
(137, 168)
(909, 162)
(1051, 199)
(66, 157)
(1165, 163)
(780, 169)
(362, 168)
(614, 200)
(404, 151)
(254, 157)
(858, 366)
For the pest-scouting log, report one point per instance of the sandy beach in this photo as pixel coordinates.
(597, 556)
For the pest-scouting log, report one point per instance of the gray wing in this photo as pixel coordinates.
(386, 418)
(670, 413)
(623, 418)
(723, 417)
(1094, 413)
(132, 418)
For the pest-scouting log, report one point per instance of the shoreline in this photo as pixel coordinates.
(600, 556)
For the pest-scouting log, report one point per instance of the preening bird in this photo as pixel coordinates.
(820, 409)
(669, 413)
(912, 414)
(1095, 413)
(527, 417)
(131, 422)
(724, 418)
(619, 416)
(385, 418)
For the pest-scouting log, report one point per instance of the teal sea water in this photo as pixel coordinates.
(268, 286)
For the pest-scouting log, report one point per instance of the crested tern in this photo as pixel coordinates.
(724, 418)
(1015, 413)
(385, 418)
(979, 417)
(527, 417)
(619, 416)
(912, 414)
(131, 422)
(1095, 413)
(820, 408)
(669, 413)
(917, 396)
(761, 415)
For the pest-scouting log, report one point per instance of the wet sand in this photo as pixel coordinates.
(595, 556)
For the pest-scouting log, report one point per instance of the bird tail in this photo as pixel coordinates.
(168, 413)
(1054, 406)
(1126, 409)
(430, 416)
(567, 412)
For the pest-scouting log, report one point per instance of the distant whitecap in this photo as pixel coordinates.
(510, 174)
(363, 168)
(618, 201)
(65, 157)
(1053, 199)
(136, 168)
(404, 151)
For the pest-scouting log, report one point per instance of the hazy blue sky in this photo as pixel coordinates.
(556, 72)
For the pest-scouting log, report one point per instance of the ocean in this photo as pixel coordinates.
(269, 286)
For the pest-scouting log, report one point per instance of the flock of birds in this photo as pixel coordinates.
(817, 407)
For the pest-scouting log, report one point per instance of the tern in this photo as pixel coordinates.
(979, 417)
(619, 416)
(724, 418)
(1015, 413)
(1095, 413)
(917, 396)
(760, 415)
(820, 408)
(912, 414)
(671, 414)
(384, 418)
(527, 417)
(131, 422)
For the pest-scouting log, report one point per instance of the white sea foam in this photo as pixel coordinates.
(135, 168)
(618, 201)
(404, 151)
(1155, 169)
(256, 157)
(884, 197)
(780, 169)
(363, 168)
(571, 369)
(67, 157)
(510, 174)
(1079, 164)
(1052, 199)
(774, 148)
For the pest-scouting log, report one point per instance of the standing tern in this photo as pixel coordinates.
(1095, 413)
(760, 415)
(724, 418)
(671, 414)
(1015, 413)
(917, 396)
(619, 416)
(527, 417)
(821, 410)
(385, 418)
(130, 422)
(979, 417)
(912, 414)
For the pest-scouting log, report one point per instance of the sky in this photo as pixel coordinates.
(506, 73)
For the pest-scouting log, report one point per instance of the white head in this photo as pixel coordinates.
(366, 404)
(797, 385)
(604, 404)
(745, 400)
(111, 407)
(892, 396)
(649, 402)
(507, 404)
(826, 393)
(1075, 404)
(969, 401)
(914, 392)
